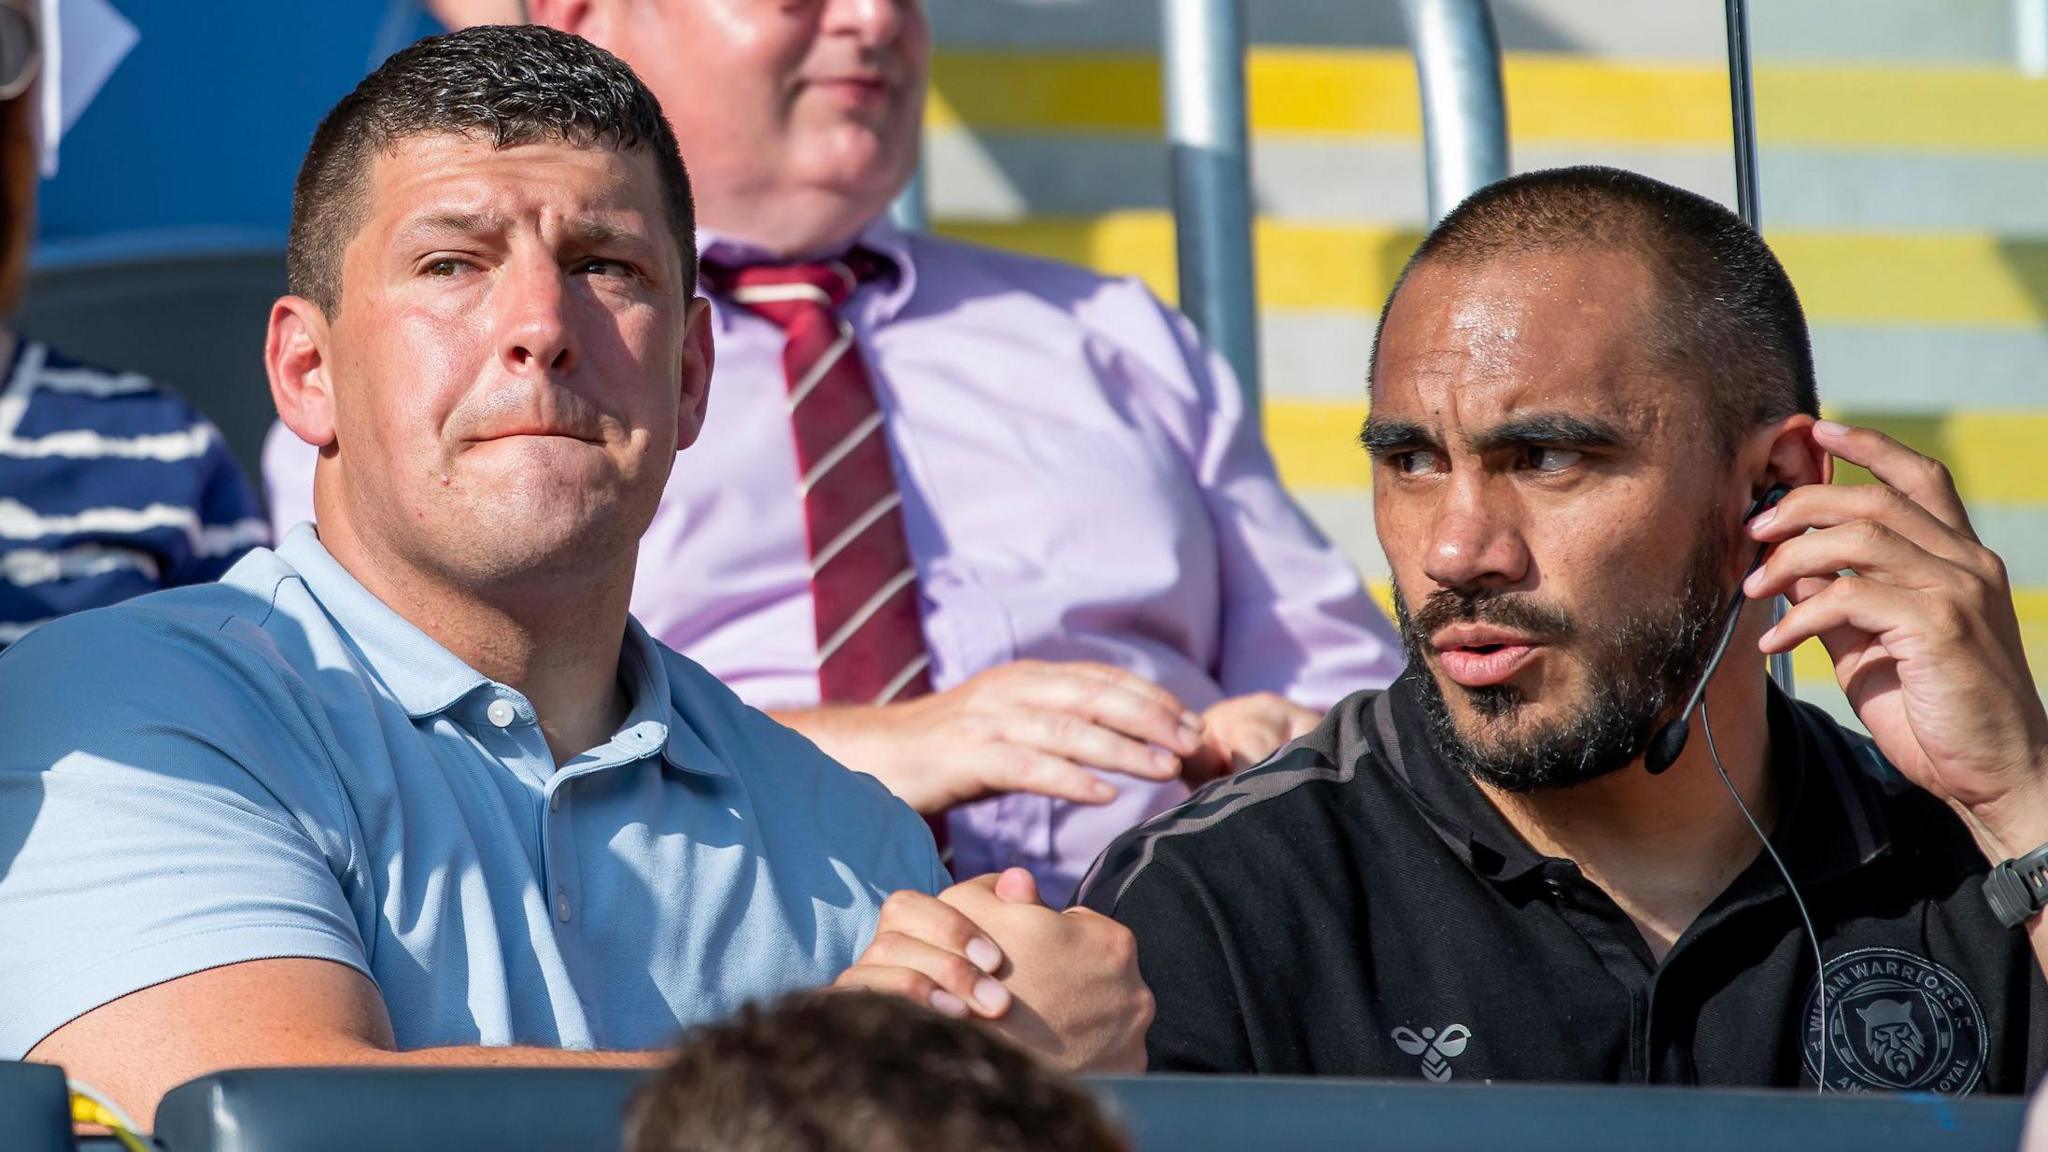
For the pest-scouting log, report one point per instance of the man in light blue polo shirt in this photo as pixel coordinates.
(415, 789)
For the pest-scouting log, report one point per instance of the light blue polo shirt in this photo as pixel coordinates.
(279, 765)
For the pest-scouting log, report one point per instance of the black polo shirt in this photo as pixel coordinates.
(1354, 908)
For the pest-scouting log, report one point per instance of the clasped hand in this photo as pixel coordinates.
(1062, 984)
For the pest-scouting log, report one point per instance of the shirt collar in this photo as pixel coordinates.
(881, 236)
(1833, 782)
(420, 674)
(426, 679)
(643, 668)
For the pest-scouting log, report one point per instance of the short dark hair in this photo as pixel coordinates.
(859, 1072)
(1728, 316)
(508, 84)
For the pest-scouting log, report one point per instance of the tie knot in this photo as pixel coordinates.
(781, 292)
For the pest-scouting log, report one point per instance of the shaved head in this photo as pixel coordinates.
(1726, 315)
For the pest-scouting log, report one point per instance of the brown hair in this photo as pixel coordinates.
(859, 1072)
(510, 85)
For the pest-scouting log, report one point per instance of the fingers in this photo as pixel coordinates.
(1922, 479)
(1011, 768)
(1865, 547)
(1017, 886)
(1073, 737)
(1248, 729)
(1118, 700)
(935, 922)
(1850, 606)
(1814, 506)
(917, 970)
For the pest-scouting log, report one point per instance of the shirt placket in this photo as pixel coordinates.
(508, 720)
(1615, 942)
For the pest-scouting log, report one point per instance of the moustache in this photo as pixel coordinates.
(1515, 611)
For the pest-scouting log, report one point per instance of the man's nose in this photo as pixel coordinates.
(535, 332)
(1474, 543)
(874, 21)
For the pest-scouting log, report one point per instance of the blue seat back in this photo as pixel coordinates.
(35, 1108)
(358, 1110)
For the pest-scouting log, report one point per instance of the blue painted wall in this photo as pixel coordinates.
(203, 124)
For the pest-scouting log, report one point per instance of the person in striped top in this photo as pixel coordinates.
(110, 484)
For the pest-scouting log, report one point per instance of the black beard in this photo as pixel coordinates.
(1637, 670)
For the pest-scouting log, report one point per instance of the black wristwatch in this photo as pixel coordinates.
(2018, 888)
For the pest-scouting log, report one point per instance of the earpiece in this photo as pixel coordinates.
(1669, 740)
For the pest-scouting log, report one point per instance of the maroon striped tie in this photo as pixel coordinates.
(871, 647)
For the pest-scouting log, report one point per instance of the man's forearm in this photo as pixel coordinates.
(2007, 830)
(486, 1057)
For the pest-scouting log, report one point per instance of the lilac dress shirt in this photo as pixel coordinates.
(1080, 482)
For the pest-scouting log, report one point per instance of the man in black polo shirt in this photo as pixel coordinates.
(1582, 384)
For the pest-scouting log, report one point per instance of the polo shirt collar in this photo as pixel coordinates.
(427, 679)
(420, 674)
(1831, 821)
(1449, 801)
(643, 668)
(881, 236)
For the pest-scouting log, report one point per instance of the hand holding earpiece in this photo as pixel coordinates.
(1918, 617)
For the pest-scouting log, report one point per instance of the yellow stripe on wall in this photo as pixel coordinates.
(1997, 457)
(1551, 99)
(1946, 279)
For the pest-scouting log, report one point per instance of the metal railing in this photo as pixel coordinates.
(1464, 118)
(1464, 104)
(1208, 141)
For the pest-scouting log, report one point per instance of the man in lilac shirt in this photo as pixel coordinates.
(1112, 581)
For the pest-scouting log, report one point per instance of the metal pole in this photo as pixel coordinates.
(1212, 201)
(1742, 108)
(2030, 35)
(1464, 104)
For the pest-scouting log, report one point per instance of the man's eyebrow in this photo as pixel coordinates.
(1384, 437)
(599, 232)
(436, 224)
(1550, 429)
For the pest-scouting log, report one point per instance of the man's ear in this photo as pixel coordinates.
(295, 354)
(1793, 458)
(698, 357)
(576, 17)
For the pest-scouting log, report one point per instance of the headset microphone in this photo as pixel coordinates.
(1669, 740)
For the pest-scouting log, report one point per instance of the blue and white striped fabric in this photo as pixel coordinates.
(110, 486)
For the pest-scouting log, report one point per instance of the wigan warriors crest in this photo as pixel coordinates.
(1895, 1023)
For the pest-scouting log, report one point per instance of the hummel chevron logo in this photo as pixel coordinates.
(1436, 1051)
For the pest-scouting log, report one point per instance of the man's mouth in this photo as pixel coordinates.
(534, 431)
(860, 89)
(1480, 656)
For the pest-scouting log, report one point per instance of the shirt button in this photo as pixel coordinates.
(562, 907)
(555, 801)
(502, 713)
